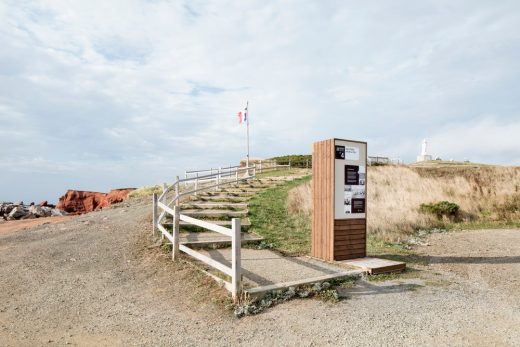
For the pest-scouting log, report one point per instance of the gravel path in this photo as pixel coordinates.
(98, 280)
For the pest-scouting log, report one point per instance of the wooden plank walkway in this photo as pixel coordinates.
(375, 266)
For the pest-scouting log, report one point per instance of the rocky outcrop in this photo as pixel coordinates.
(10, 211)
(78, 202)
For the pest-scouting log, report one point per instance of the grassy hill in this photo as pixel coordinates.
(487, 196)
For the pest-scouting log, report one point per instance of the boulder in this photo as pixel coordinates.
(29, 216)
(17, 213)
(39, 211)
(118, 195)
(78, 202)
(43, 203)
(56, 213)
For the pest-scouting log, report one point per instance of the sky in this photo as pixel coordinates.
(96, 95)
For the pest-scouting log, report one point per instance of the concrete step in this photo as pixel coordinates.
(212, 239)
(214, 205)
(208, 198)
(213, 214)
(227, 194)
(244, 223)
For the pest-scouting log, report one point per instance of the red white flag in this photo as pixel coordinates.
(239, 117)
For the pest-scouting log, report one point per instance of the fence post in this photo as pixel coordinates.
(175, 229)
(177, 191)
(307, 164)
(155, 214)
(260, 166)
(289, 164)
(236, 244)
(164, 188)
(196, 183)
(218, 177)
(254, 170)
(236, 174)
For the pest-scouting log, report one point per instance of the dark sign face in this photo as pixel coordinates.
(340, 152)
(358, 205)
(351, 175)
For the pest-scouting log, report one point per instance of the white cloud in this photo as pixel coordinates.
(129, 84)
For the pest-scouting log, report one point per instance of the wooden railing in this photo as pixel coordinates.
(195, 185)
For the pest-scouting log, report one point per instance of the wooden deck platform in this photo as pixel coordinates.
(375, 266)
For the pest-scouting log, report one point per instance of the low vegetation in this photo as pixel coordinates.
(145, 191)
(403, 200)
(270, 218)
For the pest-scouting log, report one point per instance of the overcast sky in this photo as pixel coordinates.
(97, 95)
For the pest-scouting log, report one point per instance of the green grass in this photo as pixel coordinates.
(270, 218)
(279, 172)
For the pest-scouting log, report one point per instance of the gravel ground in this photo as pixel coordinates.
(99, 280)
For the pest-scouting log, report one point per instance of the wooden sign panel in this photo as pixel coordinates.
(339, 199)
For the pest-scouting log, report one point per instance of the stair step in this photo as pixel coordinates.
(211, 239)
(214, 205)
(227, 194)
(217, 198)
(214, 213)
(244, 223)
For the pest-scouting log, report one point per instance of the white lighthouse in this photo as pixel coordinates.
(424, 152)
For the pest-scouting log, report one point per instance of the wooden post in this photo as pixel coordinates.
(155, 213)
(236, 175)
(307, 164)
(236, 245)
(196, 183)
(218, 178)
(175, 228)
(289, 164)
(260, 166)
(177, 191)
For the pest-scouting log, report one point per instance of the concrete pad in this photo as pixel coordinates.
(268, 268)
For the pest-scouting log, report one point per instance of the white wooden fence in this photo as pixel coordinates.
(194, 182)
(197, 184)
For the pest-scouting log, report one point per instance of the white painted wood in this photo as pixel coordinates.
(166, 208)
(155, 213)
(236, 244)
(165, 233)
(207, 260)
(176, 241)
(206, 225)
(177, 189)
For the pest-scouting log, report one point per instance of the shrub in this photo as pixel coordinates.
(441, 209)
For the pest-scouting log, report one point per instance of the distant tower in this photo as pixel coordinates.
(424, 152)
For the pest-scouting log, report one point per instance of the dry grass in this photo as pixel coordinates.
(145, 191)
(484, 194)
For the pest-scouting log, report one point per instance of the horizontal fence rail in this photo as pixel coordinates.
(203, 180)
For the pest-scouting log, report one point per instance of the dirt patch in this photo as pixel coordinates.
(17, 225)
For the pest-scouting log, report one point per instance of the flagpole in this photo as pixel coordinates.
(247, 124)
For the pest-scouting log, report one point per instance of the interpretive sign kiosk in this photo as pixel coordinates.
(339, 198)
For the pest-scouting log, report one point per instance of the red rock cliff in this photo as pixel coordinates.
(75, 201)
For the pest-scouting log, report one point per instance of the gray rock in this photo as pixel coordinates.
(56, 213)
(38, 211)
(17, 213)
(29, 216)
